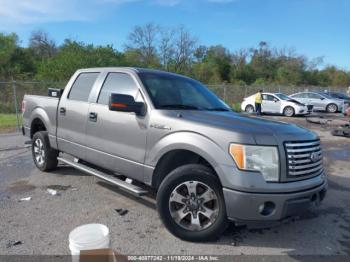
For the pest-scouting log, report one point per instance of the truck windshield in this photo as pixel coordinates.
(169, 91)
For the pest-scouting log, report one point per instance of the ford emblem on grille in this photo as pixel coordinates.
(315, 156)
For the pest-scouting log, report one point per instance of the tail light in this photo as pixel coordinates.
(23, 107)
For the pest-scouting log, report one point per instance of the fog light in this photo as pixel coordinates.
(267, 208)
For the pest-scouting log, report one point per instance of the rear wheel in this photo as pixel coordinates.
(249, 109)
(288, 111)
(332, 108)
(45, 157)
(191, 204)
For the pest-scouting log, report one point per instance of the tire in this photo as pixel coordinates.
(332, 108)
(207, 185)
(249, 109)
(289, 111)
(45, 157)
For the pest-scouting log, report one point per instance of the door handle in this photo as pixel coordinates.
(62, 110)
(93, 116)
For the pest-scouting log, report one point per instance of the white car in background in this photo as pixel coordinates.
(276, 103)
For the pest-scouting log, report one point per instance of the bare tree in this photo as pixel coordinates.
(166, 46)
(41, 44)
(143, 40)
(184, 48)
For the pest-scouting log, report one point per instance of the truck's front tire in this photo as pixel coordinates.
(45, 157)
(191, 204)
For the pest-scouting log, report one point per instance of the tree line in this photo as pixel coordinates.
(171, 49)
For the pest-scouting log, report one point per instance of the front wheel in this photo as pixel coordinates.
(191, 204)
(288, 111)
(45, 157)
(332, 108)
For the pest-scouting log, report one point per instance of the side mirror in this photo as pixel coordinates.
(322, 98)
(275, 100)
(126, 103)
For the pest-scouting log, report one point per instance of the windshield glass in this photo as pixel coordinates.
(283, 96)
(175, 92)
(326, 95)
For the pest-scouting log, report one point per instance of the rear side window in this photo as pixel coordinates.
(301, 95)
(118, 83)
(314, 96)
(82, 86)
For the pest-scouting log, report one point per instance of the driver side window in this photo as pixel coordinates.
(120, 83)
(268, 97)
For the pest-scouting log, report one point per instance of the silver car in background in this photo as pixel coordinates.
(320, 101)
(276, 103)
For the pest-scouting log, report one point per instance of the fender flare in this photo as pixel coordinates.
(194, 142)
(40, 113)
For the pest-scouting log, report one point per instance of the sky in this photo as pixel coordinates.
(313, 28)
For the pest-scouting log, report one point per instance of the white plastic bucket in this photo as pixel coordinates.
(86, 237)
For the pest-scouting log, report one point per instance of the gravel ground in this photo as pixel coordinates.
(43, 223)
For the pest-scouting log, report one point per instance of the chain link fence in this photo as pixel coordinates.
(234, 94)
(12, 92)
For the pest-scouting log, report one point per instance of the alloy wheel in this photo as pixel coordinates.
(194, 205)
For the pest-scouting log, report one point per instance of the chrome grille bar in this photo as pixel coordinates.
(304, 158)
(303, 149)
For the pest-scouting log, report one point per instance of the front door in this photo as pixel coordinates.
(117, 140)
(270, 104)
(317, 101)
(71, 115)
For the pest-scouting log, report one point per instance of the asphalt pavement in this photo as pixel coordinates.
(43, 223)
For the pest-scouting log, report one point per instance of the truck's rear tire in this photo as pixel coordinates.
(191, 204)
(45, 157)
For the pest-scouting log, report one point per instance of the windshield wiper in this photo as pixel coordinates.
(179, 106)
(218, 109)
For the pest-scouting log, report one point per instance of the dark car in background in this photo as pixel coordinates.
(340, 95)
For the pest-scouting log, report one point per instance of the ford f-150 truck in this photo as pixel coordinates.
(208, 164)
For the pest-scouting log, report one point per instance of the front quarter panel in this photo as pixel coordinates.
(191, 141)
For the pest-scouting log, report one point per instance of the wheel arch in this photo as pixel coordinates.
(193, 148)
(36, 125)
(249, 104)
(286, 106)
(40, 121)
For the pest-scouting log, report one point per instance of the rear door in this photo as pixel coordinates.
(72, 115)
(117, 140)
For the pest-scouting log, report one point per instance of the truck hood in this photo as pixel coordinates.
(243, 124)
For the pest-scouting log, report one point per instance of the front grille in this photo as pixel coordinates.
(304, 158)
(310, 107)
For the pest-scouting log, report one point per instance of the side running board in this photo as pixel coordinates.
(115, 181)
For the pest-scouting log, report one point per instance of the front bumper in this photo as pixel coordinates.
(244, 207)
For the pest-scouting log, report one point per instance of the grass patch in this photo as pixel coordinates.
(8, 121)
(236, 107)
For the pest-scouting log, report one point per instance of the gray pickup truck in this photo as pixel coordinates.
(169, 133)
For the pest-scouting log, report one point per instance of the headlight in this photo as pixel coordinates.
(257, 158)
